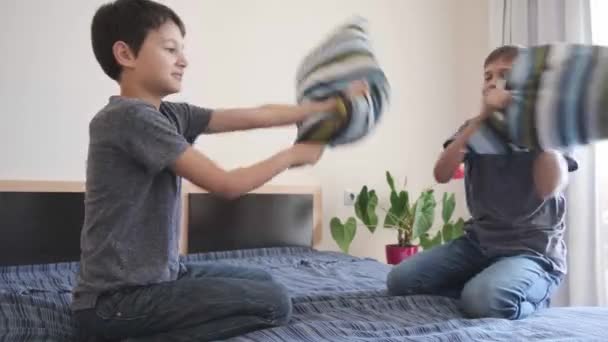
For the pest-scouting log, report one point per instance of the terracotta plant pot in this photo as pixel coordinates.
(395, 253)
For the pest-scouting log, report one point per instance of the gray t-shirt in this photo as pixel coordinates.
(132, 202)
(507, 216)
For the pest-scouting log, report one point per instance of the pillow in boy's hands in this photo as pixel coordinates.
(328, 71)
(559, 97)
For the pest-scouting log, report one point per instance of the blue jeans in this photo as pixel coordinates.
(209, 302)
(510, 287)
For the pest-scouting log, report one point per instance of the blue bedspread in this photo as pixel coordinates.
(336, 298)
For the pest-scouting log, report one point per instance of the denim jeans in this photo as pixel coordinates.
(208, 302)
(510, 287)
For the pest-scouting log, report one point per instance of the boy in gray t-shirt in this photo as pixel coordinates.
(513, 255)
(131, 283)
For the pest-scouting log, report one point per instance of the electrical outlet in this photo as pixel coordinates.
(349, 197)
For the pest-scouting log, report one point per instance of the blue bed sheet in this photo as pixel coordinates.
(336, 298)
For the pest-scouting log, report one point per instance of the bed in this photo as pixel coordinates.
(336, 297)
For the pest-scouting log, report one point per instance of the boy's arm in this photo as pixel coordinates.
(203, 172)
(453, 155)
(550, 172)
(152, 141)
(271, 115)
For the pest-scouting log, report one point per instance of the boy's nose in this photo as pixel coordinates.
(182, 62)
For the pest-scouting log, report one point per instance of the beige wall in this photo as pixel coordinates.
(245, 52)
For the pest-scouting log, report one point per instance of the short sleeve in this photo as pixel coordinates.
(485, 140)
(192, 120)
(451, 139)
(150, 138)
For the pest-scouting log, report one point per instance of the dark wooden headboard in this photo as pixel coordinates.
(271, 216)
(40, 221)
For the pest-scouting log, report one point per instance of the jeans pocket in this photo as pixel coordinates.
(118, 306)
(540, 290)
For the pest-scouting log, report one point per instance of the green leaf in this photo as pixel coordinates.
(361, 203)
(365, 208)
(391, 181)
(343, 234)
(390, 220)
(448, 206)
(399, 204)
(448, 232)
(427, 243)
(398, 212)
(436, 240)
(371, 216)
(404, 202)
(458, 229)
(394, 201)
(424, 213)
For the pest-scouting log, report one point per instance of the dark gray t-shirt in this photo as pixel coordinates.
(507, 215)
(132, 203)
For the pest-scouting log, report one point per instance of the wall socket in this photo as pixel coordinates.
(349, 197)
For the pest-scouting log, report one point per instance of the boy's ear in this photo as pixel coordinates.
(123, 54)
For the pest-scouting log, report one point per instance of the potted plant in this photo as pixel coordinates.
(413, 222)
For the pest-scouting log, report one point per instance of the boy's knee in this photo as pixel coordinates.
(403, 280)
(259, 274)
(480, 300)
(281, 306)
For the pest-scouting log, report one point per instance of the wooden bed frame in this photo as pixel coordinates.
(40, 221)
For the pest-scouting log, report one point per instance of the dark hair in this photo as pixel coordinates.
(128, 21)
(508, 52)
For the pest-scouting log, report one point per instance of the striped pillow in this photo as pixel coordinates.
(560, 97)
(345, 56)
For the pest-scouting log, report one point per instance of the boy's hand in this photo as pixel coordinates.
(357, 88)
(306, 153)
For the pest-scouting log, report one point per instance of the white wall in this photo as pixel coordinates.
(245, 53)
